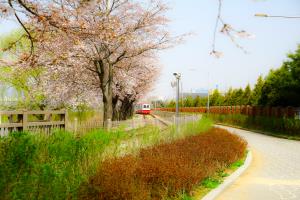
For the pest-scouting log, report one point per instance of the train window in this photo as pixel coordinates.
(145, 106)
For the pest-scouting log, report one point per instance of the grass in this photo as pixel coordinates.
(288, 128)
(211, 183)
(55, 166)
(193, 128)
(49, 167)
(152, 135)
(281, 127)
(166, 170)
(237, 164)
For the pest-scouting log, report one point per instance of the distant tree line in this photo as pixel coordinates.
(281, 87)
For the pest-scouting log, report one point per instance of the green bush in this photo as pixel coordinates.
(49, 167)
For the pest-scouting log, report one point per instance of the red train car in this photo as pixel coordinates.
(142, 108)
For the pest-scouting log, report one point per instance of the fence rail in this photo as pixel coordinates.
(82, 127)
(34, 121)
(289, 112)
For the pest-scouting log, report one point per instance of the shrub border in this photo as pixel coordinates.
(282, 136)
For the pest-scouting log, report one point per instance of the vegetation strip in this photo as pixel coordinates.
(39, 166)
(280, 127)
(287, 128)
(278, 135)
(165, 170)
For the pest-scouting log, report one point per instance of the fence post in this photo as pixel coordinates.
(10, 120)
(25, 121)
(65, 119)
(19, 120)
(62, 118)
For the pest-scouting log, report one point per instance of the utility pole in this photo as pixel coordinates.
(177, 76)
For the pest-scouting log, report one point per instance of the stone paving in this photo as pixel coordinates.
(274, 172)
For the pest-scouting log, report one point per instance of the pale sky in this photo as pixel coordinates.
(274, 38)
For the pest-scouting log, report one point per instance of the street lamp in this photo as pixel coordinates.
(275, 16)
(177, 76)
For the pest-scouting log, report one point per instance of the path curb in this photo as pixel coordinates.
(230, 179)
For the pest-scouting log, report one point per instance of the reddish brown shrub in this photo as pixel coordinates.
(167, 169)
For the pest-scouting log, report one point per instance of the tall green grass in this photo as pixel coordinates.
(193, 127)
(49, 167)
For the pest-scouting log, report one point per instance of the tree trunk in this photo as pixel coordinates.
(116, 111)
(126, 110)
(106, 80)
(107, 104)
(107, 109)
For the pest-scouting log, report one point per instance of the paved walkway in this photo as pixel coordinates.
(274, 172)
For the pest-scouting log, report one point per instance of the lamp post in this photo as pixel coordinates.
(208, 97)
(177, 76)
(276, 16)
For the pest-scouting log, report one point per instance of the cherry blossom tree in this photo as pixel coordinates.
(89, 39)
(38, 86)
(132, 82)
